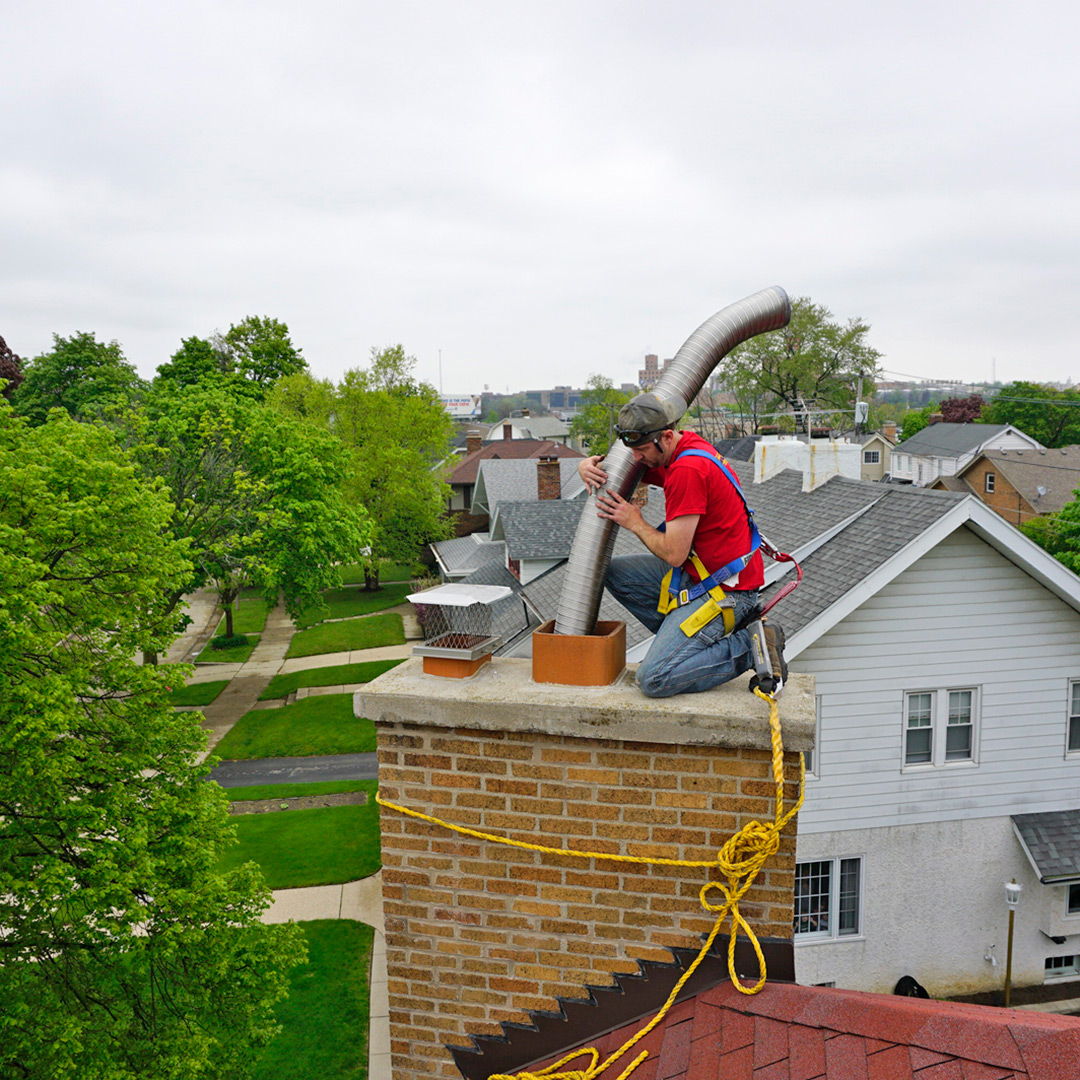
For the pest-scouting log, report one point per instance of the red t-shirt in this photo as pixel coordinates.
(693, 485)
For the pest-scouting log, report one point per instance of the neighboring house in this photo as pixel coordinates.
(522, 480)
(876, 455)
(527, 426)
(464, 555)
(462, 479)
(1021, 484)
(946, 652)
(945, 449)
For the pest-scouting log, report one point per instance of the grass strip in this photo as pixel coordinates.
(202, 693)
(289, 791)
(325, 1020)
(238, 654)
(249, 615)
(347, 602)
(316, 725)
(335, 675)
(353, 573)
(371, 632)
(300, 848)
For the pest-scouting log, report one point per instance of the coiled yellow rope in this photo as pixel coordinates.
(739, 861)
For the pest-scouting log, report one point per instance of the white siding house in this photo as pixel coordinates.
(944, 449)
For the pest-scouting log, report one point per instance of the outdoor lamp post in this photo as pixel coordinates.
(1012, 898)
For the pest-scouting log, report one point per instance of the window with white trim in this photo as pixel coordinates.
(1061, 967)
(810, 757)
(1072, 744)
(988, 485)
(940, 726)
(828, 899)
(871, 457)
(1072, 900)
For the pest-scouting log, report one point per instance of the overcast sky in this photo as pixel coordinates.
(542, 190)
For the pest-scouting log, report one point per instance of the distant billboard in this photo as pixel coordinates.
(462, 406)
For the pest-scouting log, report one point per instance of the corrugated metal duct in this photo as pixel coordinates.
(590, 555)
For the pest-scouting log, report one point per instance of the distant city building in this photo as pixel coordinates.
(462, 406)
(649, 375)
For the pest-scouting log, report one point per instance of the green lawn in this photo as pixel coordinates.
(289, 791)
(324, 1033)
(353, 573)
(198, 693)
(371, 632)
(315, 725)
(238, 654)
(347, 602)
(365, 671)
(297, 848)
(249, 614)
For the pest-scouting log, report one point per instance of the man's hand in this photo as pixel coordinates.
(592, 476)
(611, 505)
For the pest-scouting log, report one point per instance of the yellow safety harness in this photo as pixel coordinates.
(719, 604)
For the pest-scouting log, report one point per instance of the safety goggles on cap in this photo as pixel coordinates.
(632, 437)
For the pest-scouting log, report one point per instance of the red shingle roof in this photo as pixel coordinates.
(465, 472)
(792, 1032)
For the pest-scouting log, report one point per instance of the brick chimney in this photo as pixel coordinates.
(508, 430)
(888, 429)
(479, 933)
(934, 418)
(548, 478)
(472, 441)
(525, 414)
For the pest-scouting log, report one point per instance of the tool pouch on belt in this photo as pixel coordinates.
(718, 605)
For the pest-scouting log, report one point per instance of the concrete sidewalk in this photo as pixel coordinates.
(360, 900)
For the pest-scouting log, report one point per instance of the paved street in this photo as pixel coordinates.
(304, 770)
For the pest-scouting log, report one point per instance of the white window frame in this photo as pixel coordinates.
(989, 479)
(1072, 719)
(871, 457)
(942, 707)
(1069, 968)
(832, 931)
(1072, 900)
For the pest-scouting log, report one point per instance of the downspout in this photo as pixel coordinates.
(590, 554)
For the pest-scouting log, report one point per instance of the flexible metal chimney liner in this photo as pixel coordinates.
(590, 554)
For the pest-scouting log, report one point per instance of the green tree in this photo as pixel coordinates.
(10, 370)
(124, 953)
(814, 363)
(196, 362)
(80, 374)
(1049, 415)
(914, 420)
(396, 433)
(257, 495)
(259, 351)
(598, 409)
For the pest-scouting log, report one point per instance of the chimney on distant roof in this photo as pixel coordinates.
(934, 418)
(472, 441)
(525, 413)
(508, 430)
(548, 478)
(888, 429)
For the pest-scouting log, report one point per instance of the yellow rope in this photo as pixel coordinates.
(739, 860)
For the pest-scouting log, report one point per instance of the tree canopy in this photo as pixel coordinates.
(125, 953)
(812, 364)
(257, 495)
(80, 374)
(396, 433)
(962, 410)
(11, 373)
(594, 424)
(1049, 415)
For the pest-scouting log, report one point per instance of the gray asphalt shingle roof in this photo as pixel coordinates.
(507, 480)
(950, 440)
(1052, 841)
(463, 553)
(1057, 472)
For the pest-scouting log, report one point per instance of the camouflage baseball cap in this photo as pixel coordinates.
(646, 415)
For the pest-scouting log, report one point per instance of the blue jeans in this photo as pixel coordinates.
(675, 663)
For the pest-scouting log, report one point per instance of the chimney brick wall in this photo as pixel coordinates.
(479, 932)
(472, 441)
(548, 478)
(508, 431)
